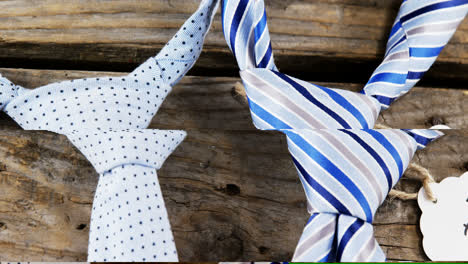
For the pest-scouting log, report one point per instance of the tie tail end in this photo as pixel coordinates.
(423, 137)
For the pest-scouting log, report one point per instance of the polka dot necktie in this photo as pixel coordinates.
(346, 168)
(105, 118)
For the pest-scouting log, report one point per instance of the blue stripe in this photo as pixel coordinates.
(432, 7)
(266, 58)
(420, 139)
(322, 191)
(374, 154)
(415, 75)
(334, 171)
(352, 229)
(396, 43)
(312, 218)
(346, 104)
(260, 27)
(332, 255)
(395, 29)
(389, 147)
(312, 99)
(235, 23)
(398, 78)
(384, 100)
(267, 117)
(325, 259)
(425, 52)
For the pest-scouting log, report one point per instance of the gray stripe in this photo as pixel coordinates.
(251, 60)
(398, 55)
(310, 208)
(405, 138)
(375, 108)
(433, 28)
(366, 250)
(356, 162)
(314, 238)
(283, 100)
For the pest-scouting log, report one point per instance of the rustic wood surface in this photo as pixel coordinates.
(218, 184)
(232, 191)
(332, 40)
(207, 102)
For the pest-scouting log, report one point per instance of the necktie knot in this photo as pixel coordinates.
(112, 148)
(346, 175)
(334, 160)
(105, 118)
(346, 168)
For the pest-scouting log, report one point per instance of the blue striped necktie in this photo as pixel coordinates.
(346, 167)
(106, 119)
(420, 31)
(346, 175)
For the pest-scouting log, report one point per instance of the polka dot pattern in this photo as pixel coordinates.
(105, 103)
(109, 149)
(106, 118)
(94, 104)
(129, 219)
(182, 51)
(8, 91)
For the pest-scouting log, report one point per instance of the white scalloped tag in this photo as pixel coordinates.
(444, 224)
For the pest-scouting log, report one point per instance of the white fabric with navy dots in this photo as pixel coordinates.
(129, 219)
(111, 148)
(105, 118)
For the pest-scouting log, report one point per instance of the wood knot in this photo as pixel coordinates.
(33, 223)
(232, 189)
(81, 226)
(465, 166)
(263, 250)
(238, 93)
(205, 165)
(436, 120)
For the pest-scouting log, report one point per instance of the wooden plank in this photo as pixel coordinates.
(331, 38)
(218, 188)
(210, 103)
(218, 185)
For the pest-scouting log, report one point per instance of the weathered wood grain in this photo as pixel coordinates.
(231, 195)
(331, 38)
(218, 185)
(210, 103)
(231, 191)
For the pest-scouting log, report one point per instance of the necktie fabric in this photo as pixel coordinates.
(346, 168)
(105, 118)
(420, 31)
(346, 175)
